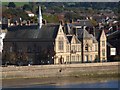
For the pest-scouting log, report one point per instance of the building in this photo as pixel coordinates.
(78, 45)
(30, 14)
(54, 43)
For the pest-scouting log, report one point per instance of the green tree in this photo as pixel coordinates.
(11, 4)
(27, 7)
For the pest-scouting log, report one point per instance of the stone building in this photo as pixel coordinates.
(78, 45)
(54, 43)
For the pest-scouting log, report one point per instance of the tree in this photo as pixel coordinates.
(11, 4)
(27, 7)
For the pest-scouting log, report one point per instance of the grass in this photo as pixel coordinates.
(18, 4)
(51, 18)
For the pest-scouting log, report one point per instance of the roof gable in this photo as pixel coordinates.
(74, 40)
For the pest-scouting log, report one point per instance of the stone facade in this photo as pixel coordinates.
(77, 50)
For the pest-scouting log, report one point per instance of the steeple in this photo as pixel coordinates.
(40, 18)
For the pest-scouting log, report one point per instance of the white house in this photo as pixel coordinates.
(30, 14)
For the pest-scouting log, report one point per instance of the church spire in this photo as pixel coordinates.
(40, 18)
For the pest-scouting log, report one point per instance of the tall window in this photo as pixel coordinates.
(103, 52)
(73, 58)
(79, 48)
(60, 45)
(90, 48)
(86, 47)
(73, 47)
(96, 47)
(67, 48)
(78, 58)
(103, 43)
(90, 57)
(67, 58)
(11, 49)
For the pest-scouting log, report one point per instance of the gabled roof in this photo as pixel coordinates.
(47, 32)
(76, 39)
(93, 38)
(82, 33)
(69, 37)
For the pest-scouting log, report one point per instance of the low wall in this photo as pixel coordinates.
(58, 70)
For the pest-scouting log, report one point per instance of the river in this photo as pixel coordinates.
(105, 84)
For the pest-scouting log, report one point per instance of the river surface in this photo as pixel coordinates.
(105, 84)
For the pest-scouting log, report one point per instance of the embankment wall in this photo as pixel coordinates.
(59, 70)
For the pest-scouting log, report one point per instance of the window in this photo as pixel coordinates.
(86, 47)
(103, 43)
(67, 48)
(73, 58)
(79, 48)
(90, 57)
(103, 52)
(60, 45)
(73, 47)
(96, 47)
(103, 58)
(11, 49)
(78, 58)
(20, 50)
(86, 58)
(67, 58)
(29, 49)
(91, 48)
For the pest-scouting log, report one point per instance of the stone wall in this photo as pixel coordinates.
(58, 70)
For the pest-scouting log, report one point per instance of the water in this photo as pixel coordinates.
(107, 84)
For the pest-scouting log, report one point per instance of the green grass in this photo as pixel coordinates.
(18, 4)
(51, 18)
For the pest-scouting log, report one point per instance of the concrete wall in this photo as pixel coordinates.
(57, 70)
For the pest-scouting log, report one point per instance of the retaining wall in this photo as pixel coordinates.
(58, 70)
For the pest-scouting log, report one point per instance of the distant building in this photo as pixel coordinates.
(30, 14)
(2, 36)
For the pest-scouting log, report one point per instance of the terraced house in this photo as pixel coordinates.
(78, 45)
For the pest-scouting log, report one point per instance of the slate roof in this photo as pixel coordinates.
(83, 34)
(46, 33)
(69, 38)
(82, 23)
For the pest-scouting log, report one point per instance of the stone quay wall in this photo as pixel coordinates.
(36, 71)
